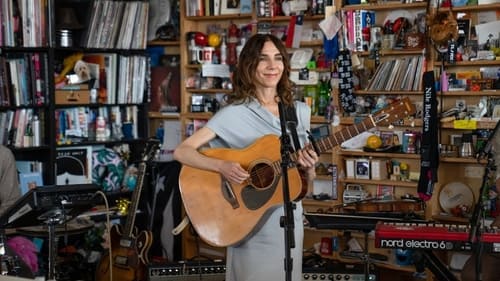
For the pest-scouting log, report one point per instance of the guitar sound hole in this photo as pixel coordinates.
(261, 175)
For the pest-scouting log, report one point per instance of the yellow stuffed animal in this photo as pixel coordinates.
(68, 63)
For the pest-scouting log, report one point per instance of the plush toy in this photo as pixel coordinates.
(68, 65)
(82, 70)
(442, 27)
(26, 250)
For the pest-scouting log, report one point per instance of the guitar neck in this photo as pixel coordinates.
(129, 224)
(339, 137)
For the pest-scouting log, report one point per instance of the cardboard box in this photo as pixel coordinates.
(72, 96)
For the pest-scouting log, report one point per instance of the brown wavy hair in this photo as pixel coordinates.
(244, 75)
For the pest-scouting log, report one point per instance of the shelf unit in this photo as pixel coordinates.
(382, 10)
(54, 56)
(467, 170)
(336, 155)
(401, 187)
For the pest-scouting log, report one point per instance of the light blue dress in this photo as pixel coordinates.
(260, 257)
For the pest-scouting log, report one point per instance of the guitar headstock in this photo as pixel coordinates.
(393, 112)
(150, 150)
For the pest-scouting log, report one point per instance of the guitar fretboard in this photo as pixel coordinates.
(332, 141)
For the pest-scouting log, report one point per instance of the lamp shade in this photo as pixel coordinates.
(66, 19)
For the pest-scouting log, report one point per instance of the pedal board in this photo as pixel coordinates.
(187, 271)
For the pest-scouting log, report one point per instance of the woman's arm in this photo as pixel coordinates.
(188, 154)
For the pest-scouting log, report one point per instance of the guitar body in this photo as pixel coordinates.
(225, 213)
(129, 261)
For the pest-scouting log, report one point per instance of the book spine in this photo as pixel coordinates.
(358, 35)
(216, 7)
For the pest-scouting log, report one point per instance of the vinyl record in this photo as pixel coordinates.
(454, 194)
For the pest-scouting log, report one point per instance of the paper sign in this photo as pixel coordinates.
(465, 124)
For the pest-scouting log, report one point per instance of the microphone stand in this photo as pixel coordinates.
(286, 221)
(477, 215)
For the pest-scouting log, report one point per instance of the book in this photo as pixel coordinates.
(74, 165)
(26, 166)
(29, 181)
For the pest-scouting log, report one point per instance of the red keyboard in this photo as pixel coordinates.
(432, 237)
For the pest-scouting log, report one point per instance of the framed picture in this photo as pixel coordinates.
(363, 169)
(230, 7)
(387, 138)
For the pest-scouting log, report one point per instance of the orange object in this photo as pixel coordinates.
(373, 142)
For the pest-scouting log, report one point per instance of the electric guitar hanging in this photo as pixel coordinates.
(225, 213)
(129, 250)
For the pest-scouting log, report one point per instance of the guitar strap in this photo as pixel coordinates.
(429, 149)
(291, 125)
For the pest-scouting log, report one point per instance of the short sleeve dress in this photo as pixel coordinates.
(261, 256)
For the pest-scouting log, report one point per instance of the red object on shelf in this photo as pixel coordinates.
(200, 39)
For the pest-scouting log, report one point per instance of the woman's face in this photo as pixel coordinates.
(270, 67)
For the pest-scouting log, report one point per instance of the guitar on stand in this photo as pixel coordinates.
(129, 249)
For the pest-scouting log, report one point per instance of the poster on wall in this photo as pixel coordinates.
(165, 84)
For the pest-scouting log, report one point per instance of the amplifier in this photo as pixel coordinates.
(339, 272)
(187, 271)
(328, 276)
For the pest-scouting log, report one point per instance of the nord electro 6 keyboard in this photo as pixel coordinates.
(432, 236)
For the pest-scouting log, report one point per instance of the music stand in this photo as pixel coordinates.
(50, 205)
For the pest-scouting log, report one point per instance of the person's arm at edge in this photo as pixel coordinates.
(10, 191)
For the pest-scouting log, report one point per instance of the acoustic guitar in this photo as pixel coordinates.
(129, 249)
(224, 213)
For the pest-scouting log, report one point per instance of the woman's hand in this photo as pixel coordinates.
(306, 160)
(233, 172)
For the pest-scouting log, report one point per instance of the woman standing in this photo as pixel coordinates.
(260, 83)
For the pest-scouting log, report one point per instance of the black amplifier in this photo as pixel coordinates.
(336, 276)
(340, 272)
(187, 271)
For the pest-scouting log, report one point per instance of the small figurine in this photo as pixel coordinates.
(232, 41)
